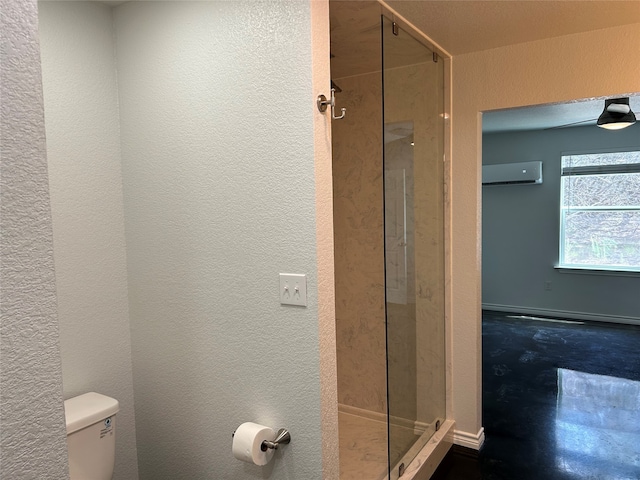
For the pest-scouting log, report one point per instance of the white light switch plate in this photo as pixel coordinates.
(293, 289)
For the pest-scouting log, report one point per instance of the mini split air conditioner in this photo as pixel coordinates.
(526, 173)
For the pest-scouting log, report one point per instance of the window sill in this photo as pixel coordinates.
(616, 272)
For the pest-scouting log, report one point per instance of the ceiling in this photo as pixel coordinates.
(542, 117)
(464, 26)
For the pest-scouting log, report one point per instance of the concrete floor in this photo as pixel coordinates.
(561, 401)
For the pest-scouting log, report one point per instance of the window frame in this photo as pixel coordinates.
(593, 170)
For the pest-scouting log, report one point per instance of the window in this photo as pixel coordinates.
(600, 211)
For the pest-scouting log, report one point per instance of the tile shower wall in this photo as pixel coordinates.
(359, 249)
(359, 244)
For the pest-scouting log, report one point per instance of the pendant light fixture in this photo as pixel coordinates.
(617, 114)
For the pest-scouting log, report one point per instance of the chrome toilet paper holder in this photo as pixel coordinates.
(283, 437)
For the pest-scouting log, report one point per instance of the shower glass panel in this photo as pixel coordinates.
(413, 116)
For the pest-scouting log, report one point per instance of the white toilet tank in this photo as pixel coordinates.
(91, 436)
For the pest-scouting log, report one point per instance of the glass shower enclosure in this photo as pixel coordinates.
(413, 158)
(388, 162)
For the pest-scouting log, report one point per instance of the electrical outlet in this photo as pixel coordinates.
(547, 285)
(293, 289)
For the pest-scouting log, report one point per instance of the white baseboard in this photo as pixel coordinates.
(545, 312)
(469, 440)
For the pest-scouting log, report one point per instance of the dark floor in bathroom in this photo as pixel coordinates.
(561, 401)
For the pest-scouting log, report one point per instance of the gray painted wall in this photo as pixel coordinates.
(32, 432)
(83, 150)
(520, 228)
(217, 144)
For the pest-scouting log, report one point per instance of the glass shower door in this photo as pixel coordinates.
(413, 80)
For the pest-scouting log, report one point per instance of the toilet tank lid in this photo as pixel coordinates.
(87, 409)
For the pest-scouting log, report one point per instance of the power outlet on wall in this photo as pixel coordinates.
(547, 285)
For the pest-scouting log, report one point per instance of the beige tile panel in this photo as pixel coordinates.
(359, 248)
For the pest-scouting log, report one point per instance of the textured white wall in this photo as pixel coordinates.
(32, 433)
(552, 70)
(217, 124)
(83, 147)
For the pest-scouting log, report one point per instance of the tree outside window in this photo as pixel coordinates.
(600, 211)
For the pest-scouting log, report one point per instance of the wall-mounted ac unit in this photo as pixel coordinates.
(526, 173)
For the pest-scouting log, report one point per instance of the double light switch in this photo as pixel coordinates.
(293, 289)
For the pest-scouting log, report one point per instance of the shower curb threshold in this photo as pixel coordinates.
(423, 466)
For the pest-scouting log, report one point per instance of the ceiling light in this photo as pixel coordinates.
(617, 114)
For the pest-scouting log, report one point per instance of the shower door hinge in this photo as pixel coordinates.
(401, 470)
(395, 29)
(437, 425)
(435, 57)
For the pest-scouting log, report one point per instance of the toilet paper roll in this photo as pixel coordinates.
(247, 442)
